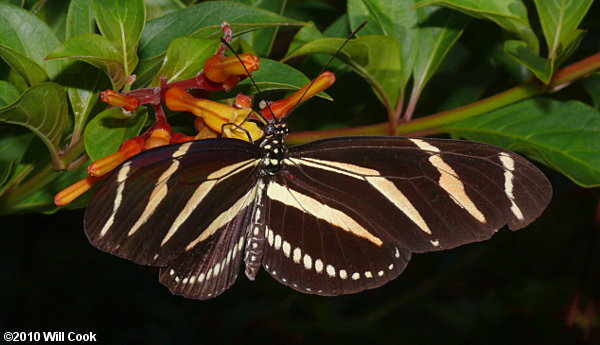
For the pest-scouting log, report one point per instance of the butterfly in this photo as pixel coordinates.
(329, 217)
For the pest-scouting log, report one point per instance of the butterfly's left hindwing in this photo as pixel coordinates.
(154, 205)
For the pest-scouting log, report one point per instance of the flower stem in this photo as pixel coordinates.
(434, 123)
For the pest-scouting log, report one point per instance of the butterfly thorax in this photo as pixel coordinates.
(273, 144)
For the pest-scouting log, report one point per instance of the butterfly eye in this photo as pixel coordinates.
(269, 130)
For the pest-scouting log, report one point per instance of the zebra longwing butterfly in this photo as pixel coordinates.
(330, 217)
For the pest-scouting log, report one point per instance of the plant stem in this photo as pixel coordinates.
(435, 122)
(41, 178)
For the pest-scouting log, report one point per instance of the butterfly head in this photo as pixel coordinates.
(276, 130)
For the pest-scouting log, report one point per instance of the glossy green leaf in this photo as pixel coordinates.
(108, 130)
(204, 20)
(185, 58)
(97, 51)
(438, 30)
(80, 18)
(511, 15)
(262, 40)
(274, 75)
(392, 18)
(122, 22)
(376, 58)
(31, 71)
(559, 18)
(147, 70)
(23, 33)
(54, 14)
(521, 52)
(310, 33)
(43, 110)
(563, 135)
(8, 93)
(158, 8)
(83, 93)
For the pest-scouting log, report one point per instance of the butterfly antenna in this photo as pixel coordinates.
(265, 121)
(352, 35)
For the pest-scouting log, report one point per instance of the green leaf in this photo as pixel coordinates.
(32, 72)
(83, 93)
(392, 18)
(22, 34)
(97, 51)
(80, 18)
(376, 58)
(262, 40)
(522, 53)
(559, 18)
(158, 8)
(147, 69)
(122, 22)
(13, 144)
(108, 130)
(591, 85)
(274, 75)
(43, 110)
(8, 93)
(438, 30)
(204, 20)
(511, 15)
(54, 14)
(563, 135)
(310, 33)
(185, 58)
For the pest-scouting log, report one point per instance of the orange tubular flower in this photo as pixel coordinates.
(120, 100)
(219, 117)
(219, 68)
(128, 149)
(72, 192)
(283, 107)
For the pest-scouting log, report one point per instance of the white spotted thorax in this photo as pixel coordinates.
(275, 133)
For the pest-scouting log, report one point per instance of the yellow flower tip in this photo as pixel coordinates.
(128, 149)
(282, 107)
(158, 137)
(120, 100)
(250, 130)
(219, 68)
(204, 132)
(242, 128)
(75, 190)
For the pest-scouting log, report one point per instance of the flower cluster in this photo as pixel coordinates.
(212, 118)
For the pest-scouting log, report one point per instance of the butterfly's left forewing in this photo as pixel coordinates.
(156, 204)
